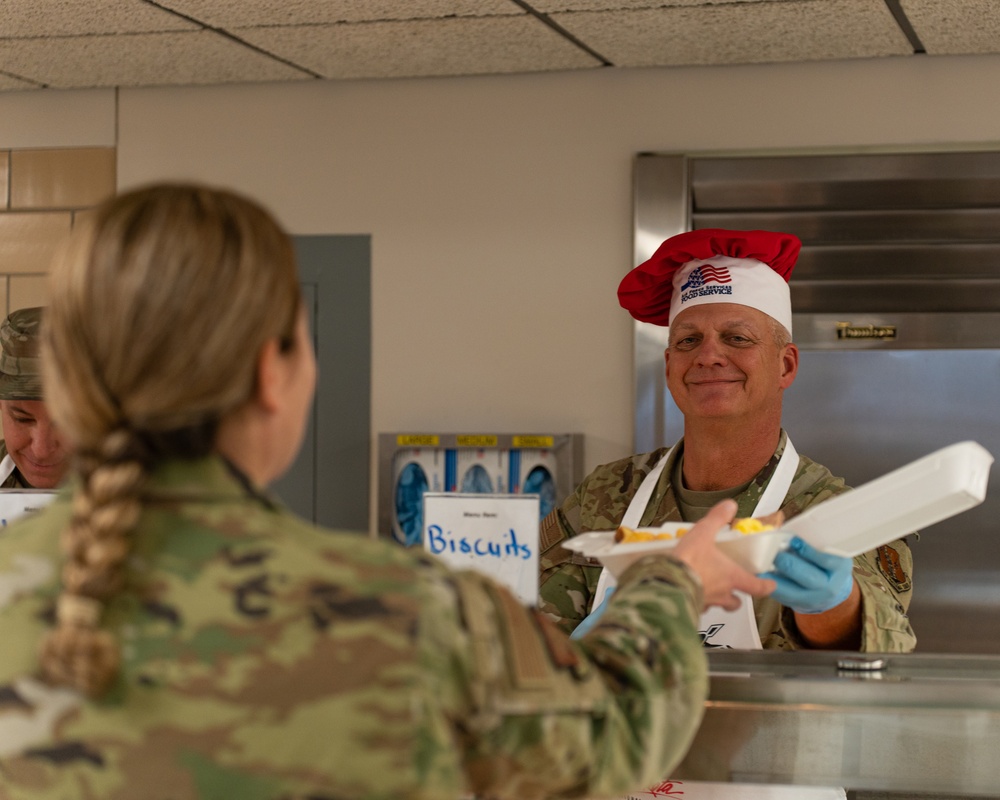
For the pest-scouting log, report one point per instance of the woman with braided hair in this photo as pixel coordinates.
(140, 372)
(170, 631)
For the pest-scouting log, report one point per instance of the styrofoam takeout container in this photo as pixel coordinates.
(752, 551)
(921, 493)
(928, 490)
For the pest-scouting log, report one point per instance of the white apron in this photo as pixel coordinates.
(717, 627)
(7, 467)
(721, 628)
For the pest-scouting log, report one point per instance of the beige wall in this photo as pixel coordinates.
(42, 191)
(500, 208)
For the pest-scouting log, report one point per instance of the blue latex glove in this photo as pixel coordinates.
(810, 582)
(591, 619)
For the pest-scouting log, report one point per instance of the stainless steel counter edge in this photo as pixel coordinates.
(924, 724)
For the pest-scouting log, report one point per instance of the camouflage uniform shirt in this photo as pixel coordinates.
(265, 658)
(599, 503)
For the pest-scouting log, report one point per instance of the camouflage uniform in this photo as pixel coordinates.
(20, 372)
(267, 658)
(599, 503)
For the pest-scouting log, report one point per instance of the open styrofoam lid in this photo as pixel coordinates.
(921, 493)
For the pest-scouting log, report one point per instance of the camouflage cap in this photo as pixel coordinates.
(20, 365)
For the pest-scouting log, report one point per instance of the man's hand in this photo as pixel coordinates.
(811, 582)
(721, 577)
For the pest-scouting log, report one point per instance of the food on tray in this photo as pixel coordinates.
(628, 535)
(750, 525)
(744, 525)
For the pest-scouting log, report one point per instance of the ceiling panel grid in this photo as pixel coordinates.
(97, 43)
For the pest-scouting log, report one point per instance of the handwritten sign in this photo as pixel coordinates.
(16, 503)
(496, 534)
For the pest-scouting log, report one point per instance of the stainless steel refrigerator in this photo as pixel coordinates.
(897, 316)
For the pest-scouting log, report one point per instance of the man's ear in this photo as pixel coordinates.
(789, 365)
(269, 376)
(666, 362)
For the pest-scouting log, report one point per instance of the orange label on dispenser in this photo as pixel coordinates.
(476, 440)
(418, 440)
(539, 442)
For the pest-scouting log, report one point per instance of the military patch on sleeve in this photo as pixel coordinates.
(891, 568)
(526, 655)
(560, 650)
(550, 537)
(549, 532)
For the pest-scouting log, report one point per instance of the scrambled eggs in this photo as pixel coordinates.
(750, 525)
(744, 525)
(628, 535)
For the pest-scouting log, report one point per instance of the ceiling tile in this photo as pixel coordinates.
(950, 27)
(8, 83)
(24, 18)
(739, 33)
(244, 13)
(152, 59)
(454, 46)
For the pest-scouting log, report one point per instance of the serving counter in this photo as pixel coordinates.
(880, 725)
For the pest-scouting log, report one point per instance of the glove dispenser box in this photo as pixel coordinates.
(411, 464)
(414, 472)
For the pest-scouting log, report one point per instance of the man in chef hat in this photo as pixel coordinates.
(724, 296)
(32, 454)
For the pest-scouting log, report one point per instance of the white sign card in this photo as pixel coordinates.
(16, 503)
(496, 534)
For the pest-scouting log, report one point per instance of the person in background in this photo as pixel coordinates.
(32, 454)
(170, 631)
(724, 295)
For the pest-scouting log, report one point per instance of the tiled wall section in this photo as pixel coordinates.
(42, 192)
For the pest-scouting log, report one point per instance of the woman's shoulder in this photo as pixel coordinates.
(234, 532)
(359, 550)
(205, 507)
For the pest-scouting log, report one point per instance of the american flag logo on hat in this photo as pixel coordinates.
(707, 273)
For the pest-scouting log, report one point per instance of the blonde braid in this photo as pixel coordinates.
(96, 544)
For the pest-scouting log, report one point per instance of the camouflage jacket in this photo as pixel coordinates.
(265, 658)
(568, 580)
(15, 480)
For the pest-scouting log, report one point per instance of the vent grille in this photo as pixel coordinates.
(880, 233)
